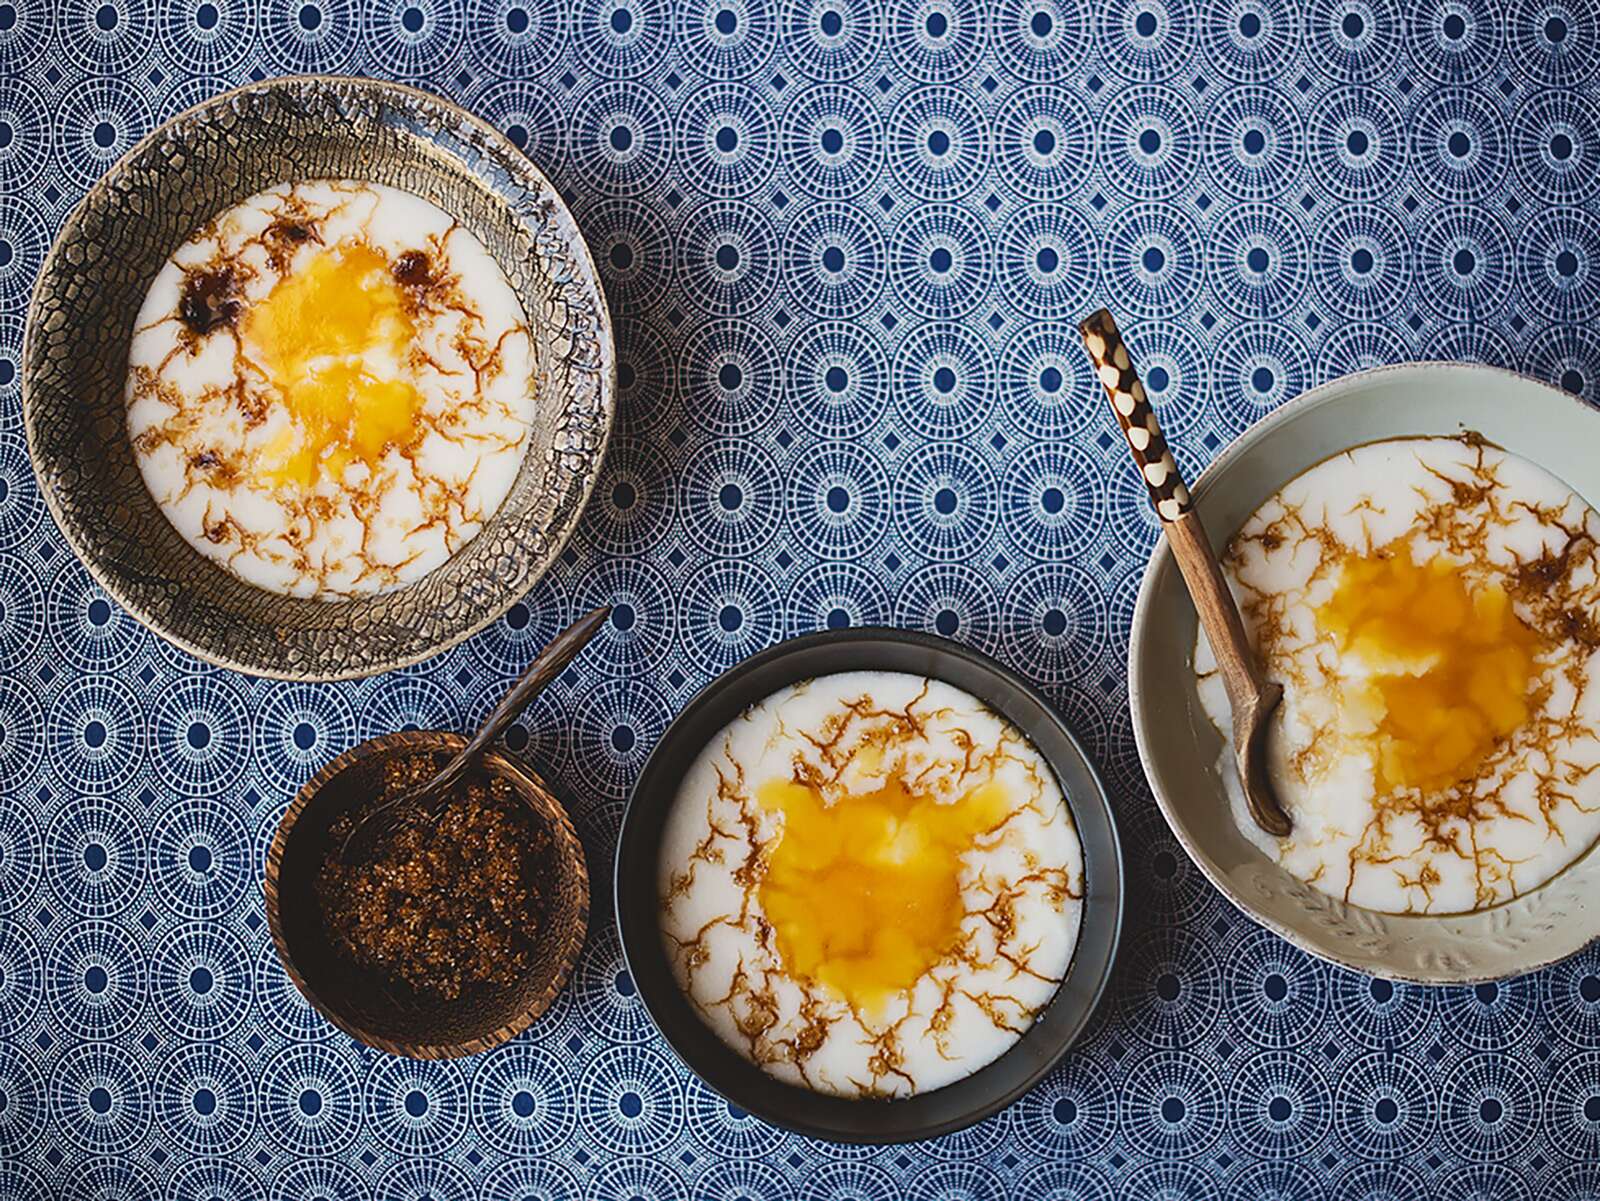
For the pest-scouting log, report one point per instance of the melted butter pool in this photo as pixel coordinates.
(864, 893)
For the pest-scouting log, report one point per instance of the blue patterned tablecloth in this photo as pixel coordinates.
(845, 241)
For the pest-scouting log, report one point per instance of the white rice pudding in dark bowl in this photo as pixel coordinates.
(870, 884)
(1431, 607)
(331, 388)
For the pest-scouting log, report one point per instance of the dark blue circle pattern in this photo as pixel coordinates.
(846, 245)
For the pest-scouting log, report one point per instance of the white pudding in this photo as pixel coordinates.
(330, 388)
(1432, 609)
(870, 884)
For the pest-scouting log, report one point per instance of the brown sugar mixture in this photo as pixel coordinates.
(447, 906)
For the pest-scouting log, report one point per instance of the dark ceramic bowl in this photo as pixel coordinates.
(357, 1002)
(925, 1115)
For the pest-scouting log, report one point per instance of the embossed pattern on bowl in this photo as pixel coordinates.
(91, 287)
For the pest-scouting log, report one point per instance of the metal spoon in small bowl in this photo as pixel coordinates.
(1251, 696)
(426, 801)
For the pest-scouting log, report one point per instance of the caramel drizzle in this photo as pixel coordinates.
(751, 1001)
(209, 306)
(1556, 593)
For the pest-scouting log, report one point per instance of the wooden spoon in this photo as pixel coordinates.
(1251, 695)
(427, 801)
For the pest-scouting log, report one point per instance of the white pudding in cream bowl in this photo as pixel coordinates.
(1416, 555)
(1431, 607)
(330, 388)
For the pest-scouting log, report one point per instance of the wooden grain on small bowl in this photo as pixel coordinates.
(358, 1002)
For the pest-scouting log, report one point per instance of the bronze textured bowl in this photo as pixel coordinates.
(363, 1005)
(94, 281)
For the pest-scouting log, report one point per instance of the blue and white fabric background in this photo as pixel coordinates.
(845, 242)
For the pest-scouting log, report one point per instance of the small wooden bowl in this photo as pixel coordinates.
(354, 999)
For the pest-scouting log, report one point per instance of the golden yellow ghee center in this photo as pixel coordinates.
(335, 340)
(864, 894)
(1452, 666)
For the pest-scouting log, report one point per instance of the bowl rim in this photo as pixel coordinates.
(501, 763)
(765, 1095)
(1328, 392)
(579, 247)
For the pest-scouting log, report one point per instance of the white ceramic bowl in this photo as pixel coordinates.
(1179, 746)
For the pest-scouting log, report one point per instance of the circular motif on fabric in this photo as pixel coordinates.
(416, 1107)
(838, 500)
(1147, 39)
(99, 739)
(89, 630)
(1044, 376)
(1358, 147)
(634, 251)
(22, 978)
(1454, 41)
(1257, 366)
(319, 1180)
(937, 40)
(299, 727)
(1044, 141)
(1571, 998)
(727, 254)
(834, 265)
(516, 37)
(1171, 988)
(1354, 40)
(412, 38)
(1151, 256)
(1362, 262)
(833, 142)
(729, 610)
(19, 841)
(1488, 1104)
(1555, 141)
(944, 380)
(620, 39)
(96, 977)
(638, 635)
(845, 1180)
(1048, 264)
(200, 981)
(1250, 40)
(1385, 1107)
(615, 725)
(1554, 41)
(285, 1008)
(1055, 622)
(1053, 501)
(108, 1178)
(939, 143)
(1568, 358)
(1071, 1114)
(727, 138)
(205, 1098)
(200, 733)
(1277, 996)
(308, 36)
(951, 600)
(1257, 261)
(100, 1098)
(530, 116)
(1040, 41)
(940, 263)
(1255, 143)
(1458, 144)
(838, 379)
(1463, 262)
(830, 40)
(631, 1100)
(1148, 138)
(200, 859)
(1558, 265)
(1172, 1104)
(731, 497)
(522, 1101)
(726, 39)
(622, 139)
(945, 499)
(627, 1177)
(1489, 1016)
(1278, 1104)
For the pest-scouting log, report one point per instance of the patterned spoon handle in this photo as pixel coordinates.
(1136, 416)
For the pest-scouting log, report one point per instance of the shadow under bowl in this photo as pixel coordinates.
(819, 1115)
(360, 1002)
(1179, 746)
(94, 280)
